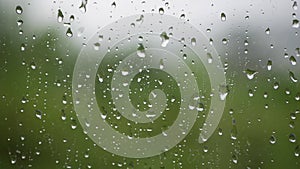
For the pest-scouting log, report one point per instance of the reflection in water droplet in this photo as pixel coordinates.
(292, 77)
(223, 17)
(19, 10)
(69, 32)
(164, 39)
(60, 16)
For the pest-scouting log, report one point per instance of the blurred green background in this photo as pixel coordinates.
(39, 127)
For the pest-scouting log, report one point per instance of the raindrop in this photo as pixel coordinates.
(141, 51)
(69, 33)
(224, 41)
(22, 47)
(267, 31)
(193, 41)
(223, 90)
(161, 11)
(82, 7)
(269, 65)
(60, 16)
(19, 10)
(292, 77)
(246, 43)
(32, 66)
(38, 114)
(164, 39)
(295, 23)
(295, 6)
(293, 60)
(182, 16)
(223, 17)
(73, 124)
(276, 85)
(297, 151)
(234, 159)
(209, 58)
(97, 46)
(161, 64)
(19, 22)
(292, 138)
(250, 93)
(250, 73)
(272, 139)
(71, 18)
(114, 5)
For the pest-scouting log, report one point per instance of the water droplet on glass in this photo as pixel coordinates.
(209, 58)
(292, 77)
(38, 114)
(20, 22)
(161, 11)
(223, 17)
(69, 32)
(297, 151)
(250, 93)
(60, 16)
(161, 64)
(272, 139)
(141, 51)
(295, 23)
(82, 7)
(295, 6)
(246, 43)
(73, 124)
(223, 90)
(114, 5)
(22, 47)
(292, 138)
(267, 31)
(234, 159)
(193, 41)
(32, 66)
(269, 65)
(276, 85)
(224, 41)
(19, 10)
(293, 60)
(250, 73)
(164, 39)
(97, 46)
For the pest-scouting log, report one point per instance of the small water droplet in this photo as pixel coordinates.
(32, 66)
(297, 151)
(114, 5)
(82, 7)
(23, 47)
(60, 16)
(161, 11)
(250, 73)
(292, 77)
(161, 64)
(182, 16)
(295, 23)
(269, 65)
(223, 90)
(276, 85)
(295, 6)
(164, 39)
(193, 41)
(38, 114)
(250, 93)
(293, 60)
(267, 31)
(97, 46)
(223, 17)
(246, 43)
(209, 58)
(272, 139)
(19, 10)
(20, 22)
(234, 159)
(69, 33)
(292, 138)
(141, 51)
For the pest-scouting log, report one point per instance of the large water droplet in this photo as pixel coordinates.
(19, 10)
(164, 39)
